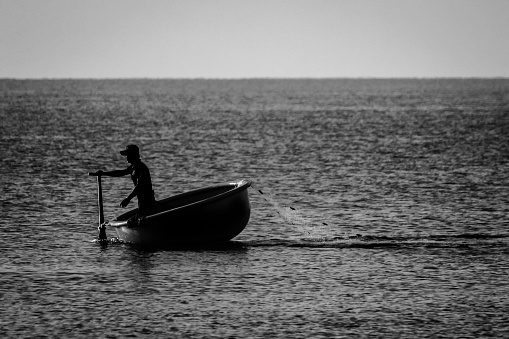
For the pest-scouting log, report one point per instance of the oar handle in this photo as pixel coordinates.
(98, 174)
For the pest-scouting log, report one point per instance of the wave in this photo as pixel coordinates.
(467, 240)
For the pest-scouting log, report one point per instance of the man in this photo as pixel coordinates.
(142, 182)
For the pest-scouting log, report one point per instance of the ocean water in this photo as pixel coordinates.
(380, 208)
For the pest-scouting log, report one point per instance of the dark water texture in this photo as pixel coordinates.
(384, 210)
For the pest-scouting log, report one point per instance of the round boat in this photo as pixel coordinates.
(208, 215)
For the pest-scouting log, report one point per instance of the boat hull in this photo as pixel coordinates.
(209, 215)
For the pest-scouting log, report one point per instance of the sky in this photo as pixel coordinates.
(253, 38)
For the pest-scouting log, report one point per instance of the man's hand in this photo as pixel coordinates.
(125, 202)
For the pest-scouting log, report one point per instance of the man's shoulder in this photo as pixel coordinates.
(140, 166)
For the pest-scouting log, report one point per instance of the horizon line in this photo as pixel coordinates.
(263, 78)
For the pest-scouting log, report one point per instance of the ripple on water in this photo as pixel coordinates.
(386, 217)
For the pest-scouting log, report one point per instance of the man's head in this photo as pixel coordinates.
(132, 152)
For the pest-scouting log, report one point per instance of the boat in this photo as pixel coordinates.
(205, 216)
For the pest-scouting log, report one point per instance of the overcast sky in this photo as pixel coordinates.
(253, 38)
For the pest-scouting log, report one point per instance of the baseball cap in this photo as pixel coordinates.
(131, 150)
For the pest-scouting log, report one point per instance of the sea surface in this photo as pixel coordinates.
(384, 213)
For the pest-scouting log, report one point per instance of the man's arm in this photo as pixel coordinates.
(136, 189)
(127, 200)
(116, 173)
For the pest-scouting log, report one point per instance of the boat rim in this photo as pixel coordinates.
(237, 186)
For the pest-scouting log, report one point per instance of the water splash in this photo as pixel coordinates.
(108, 241)
(304, 223)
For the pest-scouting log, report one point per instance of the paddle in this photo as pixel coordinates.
(102, 229)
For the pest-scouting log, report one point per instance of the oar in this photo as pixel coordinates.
(102, 229)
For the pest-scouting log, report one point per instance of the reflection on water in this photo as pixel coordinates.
(383, 213)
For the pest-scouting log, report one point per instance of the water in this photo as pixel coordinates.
(384, 210)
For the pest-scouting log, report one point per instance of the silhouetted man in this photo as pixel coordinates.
(141, 179)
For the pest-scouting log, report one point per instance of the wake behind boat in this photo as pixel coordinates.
(210, 215)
